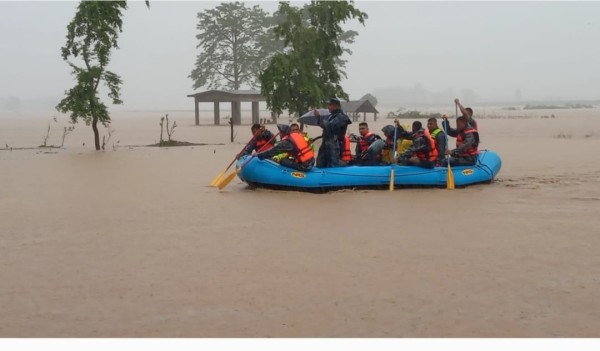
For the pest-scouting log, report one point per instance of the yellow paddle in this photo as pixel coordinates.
(449, 174)
(393, 159)
(217, 180)
(449, 177)
(232, 175)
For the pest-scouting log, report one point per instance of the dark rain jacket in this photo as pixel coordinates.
(334, 129)
(420, 143)
(469, 139)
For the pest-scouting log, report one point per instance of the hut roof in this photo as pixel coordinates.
(228, 96)
(359, 106)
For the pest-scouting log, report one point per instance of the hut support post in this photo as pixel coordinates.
(236, 113)
(197, 108)
(255, 115)
(217, 113)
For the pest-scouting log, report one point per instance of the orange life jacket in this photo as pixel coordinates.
(472, 150)
(261, 141)
(363, 142)
(346, 153)
(433, 153)
(303, 151)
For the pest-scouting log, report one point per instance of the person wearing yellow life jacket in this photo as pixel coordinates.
(302, 157)
(467, 143)
(259, 141)
(402, 144)
(422, 153)
(439, 137)
(368, 146)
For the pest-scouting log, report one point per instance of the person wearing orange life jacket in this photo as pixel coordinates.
(422, 152)
(296, 128)
(293, 143)
(263, 137)
(467, 112)
(467, 143)
(440, 140)
(366, 154)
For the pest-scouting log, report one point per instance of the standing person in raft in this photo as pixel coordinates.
(292, 151)
(264, 136)
(334, 134)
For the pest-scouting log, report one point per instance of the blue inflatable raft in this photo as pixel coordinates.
(269, 174)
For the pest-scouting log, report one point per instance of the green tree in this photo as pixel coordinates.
(308, 71)
(229, 38)
(91, 36)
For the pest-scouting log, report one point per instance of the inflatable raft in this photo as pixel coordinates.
(269, 174)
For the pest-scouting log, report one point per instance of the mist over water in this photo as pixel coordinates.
(423, 53)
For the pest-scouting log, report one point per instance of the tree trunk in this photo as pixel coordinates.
(96, 134)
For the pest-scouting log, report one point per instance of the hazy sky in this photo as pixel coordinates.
(547, 49)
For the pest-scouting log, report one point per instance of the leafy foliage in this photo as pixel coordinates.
(239, 42)
(307, 72)
(91, 36)
(229, 37)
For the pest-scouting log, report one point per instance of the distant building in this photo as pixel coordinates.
(235, 97)
(355, 107)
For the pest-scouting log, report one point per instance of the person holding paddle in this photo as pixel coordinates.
(301, 156)
(467, 112)
(262, 137)
(467, 141)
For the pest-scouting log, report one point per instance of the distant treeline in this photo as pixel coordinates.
(412, 115)
(555, 107)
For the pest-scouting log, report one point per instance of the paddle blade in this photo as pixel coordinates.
(449, 178)
(216, 181)
(228, 179)
(392, 180)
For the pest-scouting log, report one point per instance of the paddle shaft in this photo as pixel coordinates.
(393, 158)
(245, 146)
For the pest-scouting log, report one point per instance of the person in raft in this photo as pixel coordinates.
(402, 144)
(334, 135)
(467, 112)
(368, 148)
(422, 152)
(440, 140)
(467, 142)
(296, 128)
(299, 154)
(262, 137)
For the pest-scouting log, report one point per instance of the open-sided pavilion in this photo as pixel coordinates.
(235, 97)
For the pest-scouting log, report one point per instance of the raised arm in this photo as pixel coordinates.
(461, 107)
